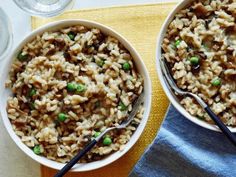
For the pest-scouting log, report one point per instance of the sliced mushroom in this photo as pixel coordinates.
(60, 43)
(231, 29)
(200, 10)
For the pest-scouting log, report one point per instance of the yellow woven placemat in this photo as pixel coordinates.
(140, 25)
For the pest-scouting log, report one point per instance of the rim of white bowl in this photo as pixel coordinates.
(139, 64)
(8, 26)
(167, 90)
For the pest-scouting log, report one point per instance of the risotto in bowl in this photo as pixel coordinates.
(66, 83)
(198, 41)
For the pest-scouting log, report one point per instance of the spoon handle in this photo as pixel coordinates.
(221, 125)
(75, 159)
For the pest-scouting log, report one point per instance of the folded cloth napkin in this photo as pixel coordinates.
(183, 149)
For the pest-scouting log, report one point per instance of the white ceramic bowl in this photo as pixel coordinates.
(4, 93)
(173, 99)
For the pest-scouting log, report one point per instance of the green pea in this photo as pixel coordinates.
(22, 57)
(80, 88)
(177, 43)
(62, 117)
(37, 149)
(194, 60)
(96, 134)
(71, 35)
(126, 66)
(122, 106)
(107, 136)
(107, 141)
(32, 92)
(100, 62)
(216, 82)
(71, 87)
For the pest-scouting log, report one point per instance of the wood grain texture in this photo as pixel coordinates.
(140, 25)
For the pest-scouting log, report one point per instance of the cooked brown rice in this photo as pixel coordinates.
(200, 46)
(39, 79)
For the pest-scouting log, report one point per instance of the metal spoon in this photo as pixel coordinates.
(88, 147)
(213, 116)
